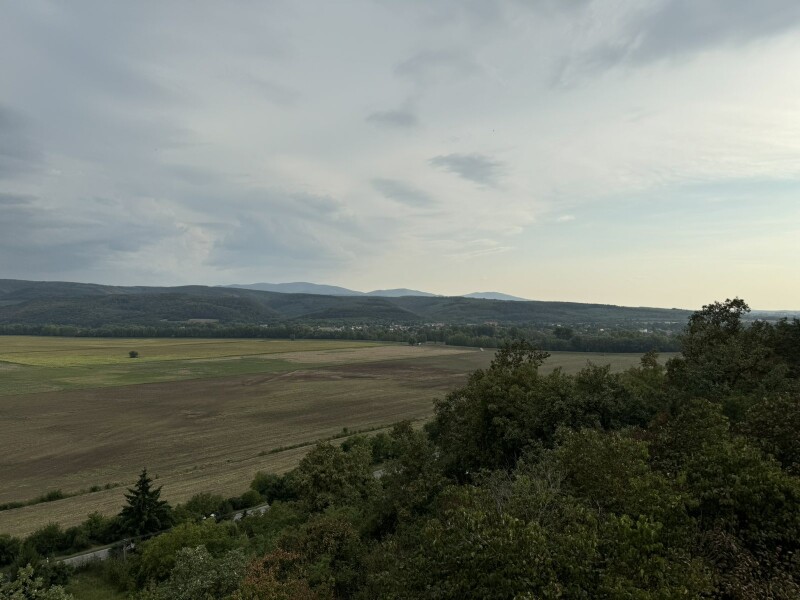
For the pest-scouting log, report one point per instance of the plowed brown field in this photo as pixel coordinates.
(213, 434)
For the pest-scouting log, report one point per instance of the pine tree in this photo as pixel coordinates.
(145, 512)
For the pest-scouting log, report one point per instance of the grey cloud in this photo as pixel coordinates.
(36, 239)
(400, 118)
(681, 26)
(475, 13)
(253, 240)
(275, 93)
(19, 154)
(473, 167)
(431, 66)
(401, 192)
(675, 28)
(15, 199)
(558, 5)
(285, 228)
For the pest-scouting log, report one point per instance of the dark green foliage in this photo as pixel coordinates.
(786, 344)
(263, 531)
(522, 537)
(145, 511)
(773, 424)
(382, 448)
(158, 555)
(249, 499)
(9, 549)
(28, 585)
(48, 540)
(273, 487)
(725, 361)
(332, 552)
(410, 481)
(198, 575)
(613, 470)
(748, 508)
(510, 409)
(52, 496)
(329, 476)
(198, 507)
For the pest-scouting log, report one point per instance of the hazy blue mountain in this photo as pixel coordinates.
(494, 296)
(399, 293)
(299, 287)
(305, 287)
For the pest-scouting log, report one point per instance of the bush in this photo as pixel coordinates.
(158, 554)
(28, 585)
(199, 507)
(9, 549)
(273, 487)
(197, 574)
(250, 498)
(52, 496)
(48, 540)
(100, 529)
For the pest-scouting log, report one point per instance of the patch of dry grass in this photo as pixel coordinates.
(75, 352)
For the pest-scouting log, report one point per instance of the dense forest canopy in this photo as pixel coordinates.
(660, 482)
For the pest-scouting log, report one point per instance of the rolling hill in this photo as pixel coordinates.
(92, 305)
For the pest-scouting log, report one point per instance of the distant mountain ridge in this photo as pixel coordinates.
(297, 287)
(305, 287)
(495, 296)
(95, 306)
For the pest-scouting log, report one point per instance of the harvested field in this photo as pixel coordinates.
(212, 432)
(72, 352)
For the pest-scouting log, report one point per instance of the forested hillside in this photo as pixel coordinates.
(89, 305)
(660, 482)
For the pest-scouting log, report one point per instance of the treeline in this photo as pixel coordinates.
(660, 482)
(553, 338)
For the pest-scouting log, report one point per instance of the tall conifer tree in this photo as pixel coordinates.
(145, 511)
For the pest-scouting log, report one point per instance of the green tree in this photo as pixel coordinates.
(331, 551)
(145, 511)
(725, 361)
(773, 423)
(27, 586)
(411, 480)
(199, 507)
(328, 476)
(9, 548)
(158, 555)
(197, 575)
(279, 575)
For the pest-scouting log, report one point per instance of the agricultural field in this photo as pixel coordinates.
(202, 415)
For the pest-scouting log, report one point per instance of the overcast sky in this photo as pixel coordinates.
(639, 153)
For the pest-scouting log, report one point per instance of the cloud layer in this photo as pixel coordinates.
(548, 149)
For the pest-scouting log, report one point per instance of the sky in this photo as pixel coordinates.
(615, 151)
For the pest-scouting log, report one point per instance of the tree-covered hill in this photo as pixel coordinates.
(91, 305)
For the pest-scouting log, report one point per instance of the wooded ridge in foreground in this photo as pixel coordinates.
(655, 483)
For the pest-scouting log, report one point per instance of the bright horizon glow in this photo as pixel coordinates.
(584, 151)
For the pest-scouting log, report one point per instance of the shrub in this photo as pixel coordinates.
(9, 549)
